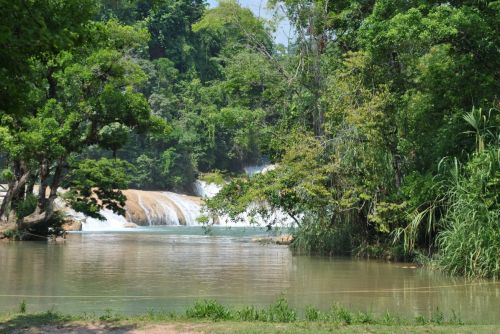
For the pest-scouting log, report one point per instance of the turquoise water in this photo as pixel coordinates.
(170, 268)
(236, 232)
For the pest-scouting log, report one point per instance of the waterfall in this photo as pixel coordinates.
(112, 222)
(170, 214)
(145, 209)
(189, 209)
(152, 208)
(205, 189)
(257, 169)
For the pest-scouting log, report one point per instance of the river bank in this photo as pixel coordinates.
(211, 317)
(240, 328)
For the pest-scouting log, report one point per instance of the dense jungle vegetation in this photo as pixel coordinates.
(381, 116)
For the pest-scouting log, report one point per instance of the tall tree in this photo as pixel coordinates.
(84, 96)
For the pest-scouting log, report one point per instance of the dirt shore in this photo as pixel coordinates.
(225, 327)
(112, 329)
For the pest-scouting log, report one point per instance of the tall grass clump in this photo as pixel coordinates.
(469, 242)
(208, 309)
(280, 311)
(316, 236)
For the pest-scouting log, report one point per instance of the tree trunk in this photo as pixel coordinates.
(56, 182)
(44, 173)
(6, 200)
(14, 189)
(31, 184)
(42, 214)
(45, 208)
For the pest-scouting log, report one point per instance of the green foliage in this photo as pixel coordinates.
(280, 311)
(27, 206)
(250, 318)
(113, 136)
(208, 309)
(233, 22)
(6, 175)
(22, 307)
(321, 238)
(215, 177)
(35, 30)
(312, 313)
(367, 118)
(96, 184)
(82, 95)
(470, 240)
(169, 23)
(359, 115)
(386, 215)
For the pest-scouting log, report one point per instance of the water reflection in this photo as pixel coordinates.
(135, 272)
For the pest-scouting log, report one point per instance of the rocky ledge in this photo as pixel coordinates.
(279, 240)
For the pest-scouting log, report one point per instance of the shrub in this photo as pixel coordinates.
(280, 311)
(26, 206)
(341, 315)
(312, 313)
(208, 309)
(315, 237)
(470, 240)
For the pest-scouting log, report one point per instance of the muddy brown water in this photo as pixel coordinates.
(169, 269)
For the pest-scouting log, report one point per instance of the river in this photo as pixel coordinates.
(168, 268)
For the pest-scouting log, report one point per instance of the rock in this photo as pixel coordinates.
(6, 229)
(284, 240)
(279, 240)
(72, 225)
(130, 225)
(263, 240)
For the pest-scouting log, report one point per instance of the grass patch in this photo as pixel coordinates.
(215, 177)
(209, 316)
(23, 320)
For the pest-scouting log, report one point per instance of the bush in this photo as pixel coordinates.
(280, 311)
(248, 313)
(470, 240)
(26, 206)
(317, 238)
(312, 313)
(208, 309)
(215, 177)
(339, 314)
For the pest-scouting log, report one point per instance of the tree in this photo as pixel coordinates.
(35, 30)
(169, 24)
(84, 96)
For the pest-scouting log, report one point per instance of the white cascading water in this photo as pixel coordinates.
(171, 217)
(148, 208)
(112, 222)
(205, 189)
(190, 210)
(257, 169)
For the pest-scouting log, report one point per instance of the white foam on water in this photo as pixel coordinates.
(112, 222)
